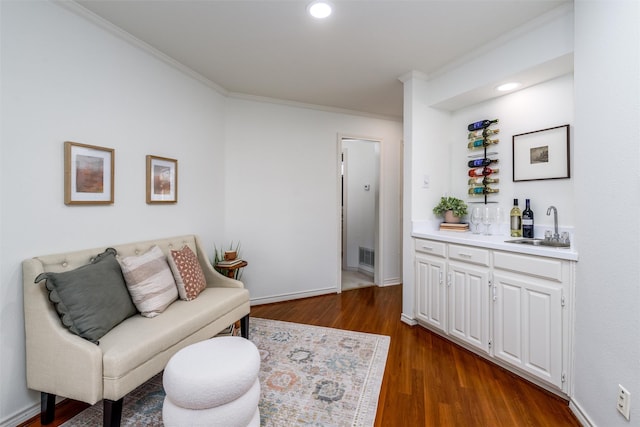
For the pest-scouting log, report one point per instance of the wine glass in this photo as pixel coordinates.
(476, 219)
(488, 218)
(501, 217)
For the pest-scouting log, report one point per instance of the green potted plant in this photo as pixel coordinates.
(451, 208)
(223, 254)
(227, 255)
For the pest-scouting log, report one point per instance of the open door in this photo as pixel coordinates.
(360, 211)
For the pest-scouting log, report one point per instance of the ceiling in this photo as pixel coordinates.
(350, 61)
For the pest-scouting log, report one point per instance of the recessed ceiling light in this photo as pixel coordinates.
(508, 86)
(319, 9)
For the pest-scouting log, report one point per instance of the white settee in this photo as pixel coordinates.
(61, 363)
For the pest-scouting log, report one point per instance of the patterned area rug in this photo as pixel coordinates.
(309, 376)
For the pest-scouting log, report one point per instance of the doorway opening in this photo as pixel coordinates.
(360, 218)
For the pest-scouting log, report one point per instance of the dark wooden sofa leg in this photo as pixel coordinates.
(47, 408)
(112, 413)
(244, 327)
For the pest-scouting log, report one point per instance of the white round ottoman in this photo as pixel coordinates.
(213, 383)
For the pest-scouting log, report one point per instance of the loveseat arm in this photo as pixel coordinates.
(213, 277)
(57, 361)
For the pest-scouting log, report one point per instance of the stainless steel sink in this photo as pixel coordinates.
(540, 242)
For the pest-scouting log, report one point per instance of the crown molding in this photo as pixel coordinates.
(411, 75)
(530, 26)
(76, 8)
(297, 104)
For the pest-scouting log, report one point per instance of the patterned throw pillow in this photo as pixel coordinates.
(149, 281)
(187, 272)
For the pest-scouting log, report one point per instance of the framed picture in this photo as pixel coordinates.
(162, 180)
(88, 174)
(542, 154)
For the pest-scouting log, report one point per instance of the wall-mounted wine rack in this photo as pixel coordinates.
(482, 180)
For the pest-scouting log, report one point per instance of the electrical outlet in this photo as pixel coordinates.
(624, 401)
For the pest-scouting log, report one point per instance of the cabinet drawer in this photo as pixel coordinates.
(469, 254)
(547, 268)
(431, 247)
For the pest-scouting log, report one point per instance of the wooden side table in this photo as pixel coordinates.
(231, 271)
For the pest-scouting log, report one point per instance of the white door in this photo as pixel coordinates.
(431, 291)
(528, 325)
(469, 304)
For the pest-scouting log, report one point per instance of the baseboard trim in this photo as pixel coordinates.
(292, 296)
(408, 320)
(582, 417)
(22, 416)
(392, 282)
(366, 270)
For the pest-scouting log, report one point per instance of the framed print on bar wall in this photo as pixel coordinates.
(88, 174)
(162, 180)
(541, 154)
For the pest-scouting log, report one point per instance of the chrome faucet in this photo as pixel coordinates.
(556, 235)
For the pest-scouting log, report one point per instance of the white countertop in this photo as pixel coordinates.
(426, 230)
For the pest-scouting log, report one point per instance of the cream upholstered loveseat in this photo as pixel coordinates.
(61, 363)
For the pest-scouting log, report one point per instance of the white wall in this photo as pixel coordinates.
(362, 162)
(65, 79)
(545, 40)
(439, 137)
(265, 174)
(436, 138)
(283, 195)
(426, 153)
(607, 202)
(538, 107)
(439, 150)
(601, 200)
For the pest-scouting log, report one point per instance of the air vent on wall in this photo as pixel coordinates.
(366, 256)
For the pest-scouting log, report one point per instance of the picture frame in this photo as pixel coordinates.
(541, 154)
(88, 174)
(162, 180)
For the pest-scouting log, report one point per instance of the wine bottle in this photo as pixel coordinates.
(516, 220)
(483, 181)
(482, 172)
(482, 190)
(527, 220)
(481, 162)
(481, 124)
(482, 133)
(482, 142)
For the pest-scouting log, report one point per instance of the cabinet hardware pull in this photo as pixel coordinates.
(494, 293)
(465, 255)
(429, 248)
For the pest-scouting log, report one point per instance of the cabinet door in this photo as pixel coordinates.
(528, 325)
(431, 291)
(469, 304)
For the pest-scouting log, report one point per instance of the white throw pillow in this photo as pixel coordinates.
(150, 281)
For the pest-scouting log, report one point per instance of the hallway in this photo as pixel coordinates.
(355, 280)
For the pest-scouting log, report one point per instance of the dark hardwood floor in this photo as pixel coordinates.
(428, 381)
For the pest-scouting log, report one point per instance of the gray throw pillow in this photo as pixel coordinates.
(91, 299)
